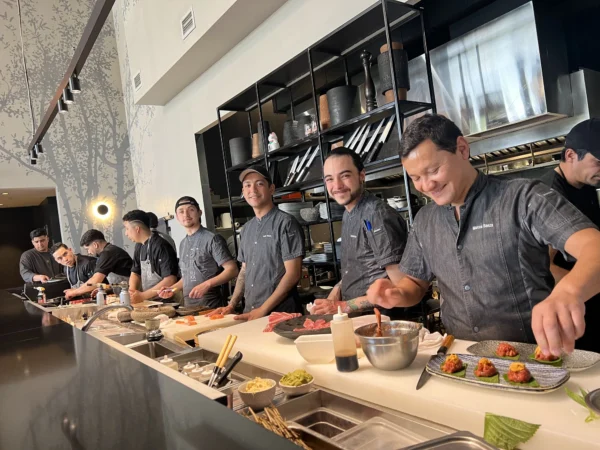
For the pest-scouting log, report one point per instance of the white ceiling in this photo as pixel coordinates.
(18, 198)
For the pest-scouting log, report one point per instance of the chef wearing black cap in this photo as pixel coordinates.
(577, 177)
(154, 260)
(271, 252)
(205, 261)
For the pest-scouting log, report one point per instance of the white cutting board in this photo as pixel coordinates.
(187, 332)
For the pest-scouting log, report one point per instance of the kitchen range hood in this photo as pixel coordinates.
(506, 83)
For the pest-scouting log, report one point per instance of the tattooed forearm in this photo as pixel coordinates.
(357, 304)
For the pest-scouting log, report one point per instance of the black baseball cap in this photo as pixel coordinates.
(585, 136)
(256, 169)
(186, 200)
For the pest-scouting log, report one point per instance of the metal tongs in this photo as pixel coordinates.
(223, 356)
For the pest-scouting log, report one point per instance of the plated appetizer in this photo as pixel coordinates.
(507, 351)
(453, 365)
(538, 356)
(518, 374)
(486, 371)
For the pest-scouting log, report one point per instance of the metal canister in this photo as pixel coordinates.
(124, 297)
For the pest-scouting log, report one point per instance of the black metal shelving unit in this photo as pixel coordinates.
(302, 79)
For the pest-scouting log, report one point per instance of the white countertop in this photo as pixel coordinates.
(442, 401)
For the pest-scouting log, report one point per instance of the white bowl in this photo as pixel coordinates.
(258, 400)
(293, 391)
(316, 349)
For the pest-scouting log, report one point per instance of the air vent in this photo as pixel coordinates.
(137, 80)
(187, 24)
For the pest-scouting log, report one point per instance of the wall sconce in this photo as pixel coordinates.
(102, 211)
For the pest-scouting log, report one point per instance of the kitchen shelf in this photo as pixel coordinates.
(239, 167)
(301, 186)
(318, 222)
(319, 263)
(293, 148)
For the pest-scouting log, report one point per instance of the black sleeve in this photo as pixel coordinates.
(136, 267)
(89, 268)
(165, 258)
(25, 267)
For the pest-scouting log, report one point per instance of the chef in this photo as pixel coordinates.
(271, 252)
(205, 261)
(373, 234)
(486, 241)
(577, 177)
(154, 228)
(78, 268)
(113, 264)
(154, 261)
(37, 264)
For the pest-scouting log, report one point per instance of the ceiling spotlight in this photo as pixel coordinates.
(68, 96)
(34, 154)
(62, 108)
(38, 148)
(5, 193)
(32, 159)
(74, 85)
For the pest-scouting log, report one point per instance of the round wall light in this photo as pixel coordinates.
(102, 210)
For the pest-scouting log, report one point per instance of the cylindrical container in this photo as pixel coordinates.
(289, 132)
(344, 345)
(385, 71)
(344, 103)
(324, 112)
(168, 362)
(124, 297)
(240, 149)
(100, 296)
(187, 369)
(255, 148)
(303, 126)
(263, 140)
(196, 374)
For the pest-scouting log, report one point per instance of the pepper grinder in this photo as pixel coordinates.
(367, 58)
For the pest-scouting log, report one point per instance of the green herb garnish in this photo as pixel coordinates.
(512, 358)
(580, 398)
(531, 383)
(459, 374)
(556, 363)
(494, 379)
(507, 433)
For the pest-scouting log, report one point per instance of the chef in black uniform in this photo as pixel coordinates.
(373, 235)
(37, 264)
(113, 264)
(154, 260)
(78, 268)
(486, 242)
(577, 177)
(271, 251)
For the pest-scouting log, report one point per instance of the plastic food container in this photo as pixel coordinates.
(316, 349)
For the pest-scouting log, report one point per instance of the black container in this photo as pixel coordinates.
(344, 103)
(263, 145)
(385, 73)
(240, 149)
(289, 131)
(300, 129)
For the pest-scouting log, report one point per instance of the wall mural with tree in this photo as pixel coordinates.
(86, 151)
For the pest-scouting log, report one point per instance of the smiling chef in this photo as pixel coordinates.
(486, 241)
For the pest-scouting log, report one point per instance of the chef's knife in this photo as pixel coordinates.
(363, 139)
(292, 170)
(448, 340)
(375, 134)
(306, 168)
(352, 137)
(354, 143)
(384, 137)
(300, 165)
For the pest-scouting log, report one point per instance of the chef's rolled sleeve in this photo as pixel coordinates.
(551, 218)
(292, 240)
(413, 261)
(219, 250)
(389, 236)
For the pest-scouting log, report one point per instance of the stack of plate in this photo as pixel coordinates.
(294, 208)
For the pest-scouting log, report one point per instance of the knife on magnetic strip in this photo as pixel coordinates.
(448, 340)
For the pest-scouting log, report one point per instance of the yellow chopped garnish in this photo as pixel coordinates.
(517, 367)
(452, 358)
(485, 361)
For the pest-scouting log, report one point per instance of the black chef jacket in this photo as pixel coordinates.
(586, 201)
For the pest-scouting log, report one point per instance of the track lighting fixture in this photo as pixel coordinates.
(32, 158)
(38, 148)
(74, 85)
(62, 107)
(68, 96)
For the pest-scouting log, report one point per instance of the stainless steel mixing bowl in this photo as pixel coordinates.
(397, 349)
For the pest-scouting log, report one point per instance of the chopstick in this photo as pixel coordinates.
(221, 362)
(216, 368)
